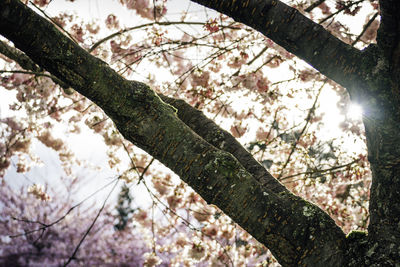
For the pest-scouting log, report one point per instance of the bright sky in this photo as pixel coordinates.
(92, 149)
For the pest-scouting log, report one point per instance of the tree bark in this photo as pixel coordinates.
(383, 139)
(372, 78)
(209, 159)
(296, 231)
(299, 35)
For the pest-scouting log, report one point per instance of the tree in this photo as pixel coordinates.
(46, 244)
(213, 163)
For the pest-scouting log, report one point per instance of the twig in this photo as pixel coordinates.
(366, 26)
(61, 218)
(185, 221)
(54, 22)
(145, 170)
(29, 72)
(310, 113)
(168, 23)
(321, 171)
(91, 226)
(152, 227)
(252, 61)
(314, 5)
(340, 10)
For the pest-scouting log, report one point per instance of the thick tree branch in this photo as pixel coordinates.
(19, 57)
(389, 30)
(192, 117)
(297, 232)
(372, 78)
(26, 63)
(223, 140)
(383, 137)
(388, 40)
(297, 34)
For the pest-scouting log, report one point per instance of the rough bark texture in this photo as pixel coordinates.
(372, 78)
(383, 140)
(220, 138)
(296, 231)
(214, 164)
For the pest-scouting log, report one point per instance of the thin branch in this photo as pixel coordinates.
(95, 45)
(321, 171)
(152, 228)
(258, 55)
(205, 62)
(366, 26)
(145, 170)
(54, 22)
(254, 59)
(141, 176)
(91, 226)
(185, 221)
(45, 226)
(154, 11)
(340, 10)
(30, 72)
(127, 152)
(314, 5)
(309, 116)
(18, 56)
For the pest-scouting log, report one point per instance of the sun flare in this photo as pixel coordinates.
(354, 112)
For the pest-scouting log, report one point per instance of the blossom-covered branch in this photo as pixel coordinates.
(297, 34)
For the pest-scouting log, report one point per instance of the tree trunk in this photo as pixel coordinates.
(209, 159)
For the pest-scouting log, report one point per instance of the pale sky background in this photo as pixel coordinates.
(89, 146)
